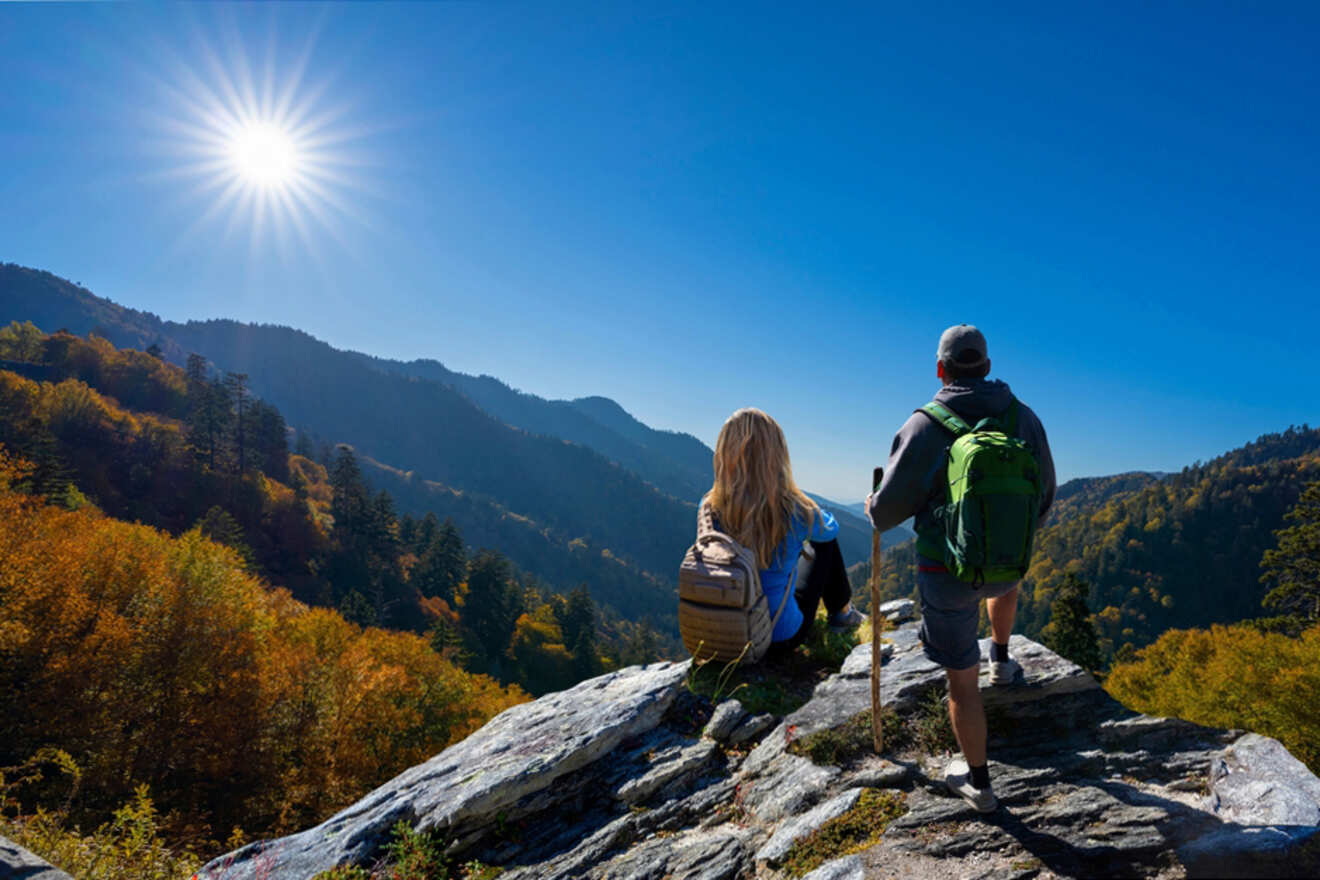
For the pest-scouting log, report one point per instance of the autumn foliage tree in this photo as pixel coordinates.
(210, 455)
(160, 660)
(1231, 676)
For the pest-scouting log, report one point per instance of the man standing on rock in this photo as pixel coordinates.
(916, 484)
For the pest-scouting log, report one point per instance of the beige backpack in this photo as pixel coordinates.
(722, 611)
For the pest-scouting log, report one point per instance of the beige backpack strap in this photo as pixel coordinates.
(705, 518)
(783, 603)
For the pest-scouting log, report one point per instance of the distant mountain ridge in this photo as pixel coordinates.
(678, 464)
(572, 490)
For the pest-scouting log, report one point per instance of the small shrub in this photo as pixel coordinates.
(854, 831)
(128, 847)
(414, 855)
(838, 745)
(344, 872)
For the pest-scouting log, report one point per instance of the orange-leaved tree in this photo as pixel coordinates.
(160, 660)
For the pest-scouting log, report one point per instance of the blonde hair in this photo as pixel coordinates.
(754, 494)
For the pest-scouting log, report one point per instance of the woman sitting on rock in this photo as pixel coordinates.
(755, 501)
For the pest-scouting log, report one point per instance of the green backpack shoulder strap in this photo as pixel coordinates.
(1010, 419)
(947, 417)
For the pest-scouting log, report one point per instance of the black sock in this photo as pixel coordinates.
(998, 652)
(980, 776)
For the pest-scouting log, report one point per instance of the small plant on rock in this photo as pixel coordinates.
(856, 830)
(414, 855)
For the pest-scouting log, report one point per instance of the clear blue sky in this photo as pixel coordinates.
(691, 211)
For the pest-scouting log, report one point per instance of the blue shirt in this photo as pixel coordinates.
(782, 573)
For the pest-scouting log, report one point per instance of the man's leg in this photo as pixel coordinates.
(1002, 611)
(950, 611)
(969, 778)
(967, 713)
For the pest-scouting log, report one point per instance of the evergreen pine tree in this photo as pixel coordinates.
(1070, 631)
(268, 440)
(443, 562)
(303, 445)
(51, 476)
(236, 383)
(218, 525)
(1293, 567)
(492, 607)
(577, 621)
(427, 529)
(349, 502)
(213, 413)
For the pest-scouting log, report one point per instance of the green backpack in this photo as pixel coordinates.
(984, 530)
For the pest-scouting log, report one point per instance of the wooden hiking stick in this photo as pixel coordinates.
(876, 476)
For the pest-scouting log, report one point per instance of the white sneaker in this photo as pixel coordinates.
(846, 621)
(958, 778)
(1007, 672)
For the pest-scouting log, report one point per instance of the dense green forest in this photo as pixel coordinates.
(146, 441)
(1157, 553)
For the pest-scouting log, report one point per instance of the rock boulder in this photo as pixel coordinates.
(613, 779)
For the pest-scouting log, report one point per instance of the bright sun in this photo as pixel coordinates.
(269, 151)
(264, 154)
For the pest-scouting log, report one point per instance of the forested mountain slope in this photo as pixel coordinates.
(430, 429)
(164, 662)
(1179, 552)
(1085, 493)
(677, 464)
(146, 441)
(419, 426)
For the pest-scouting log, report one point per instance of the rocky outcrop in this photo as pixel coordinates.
(898, 610)
(615, 779)
(16, 863)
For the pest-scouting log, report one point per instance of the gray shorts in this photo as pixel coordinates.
(950, 615)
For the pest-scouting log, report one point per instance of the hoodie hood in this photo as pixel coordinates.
(976, 399)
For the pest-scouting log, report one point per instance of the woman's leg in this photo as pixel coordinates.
(820, 575)
(829, 578)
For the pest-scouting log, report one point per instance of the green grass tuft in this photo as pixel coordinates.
(781, 685)
(924, 730)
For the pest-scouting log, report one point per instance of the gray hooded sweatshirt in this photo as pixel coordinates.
(916, 460)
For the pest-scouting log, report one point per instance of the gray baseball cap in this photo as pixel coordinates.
(962, 344)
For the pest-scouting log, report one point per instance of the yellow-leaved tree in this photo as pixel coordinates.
(1231, 676)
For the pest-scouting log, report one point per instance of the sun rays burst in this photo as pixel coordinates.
(266, 150)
